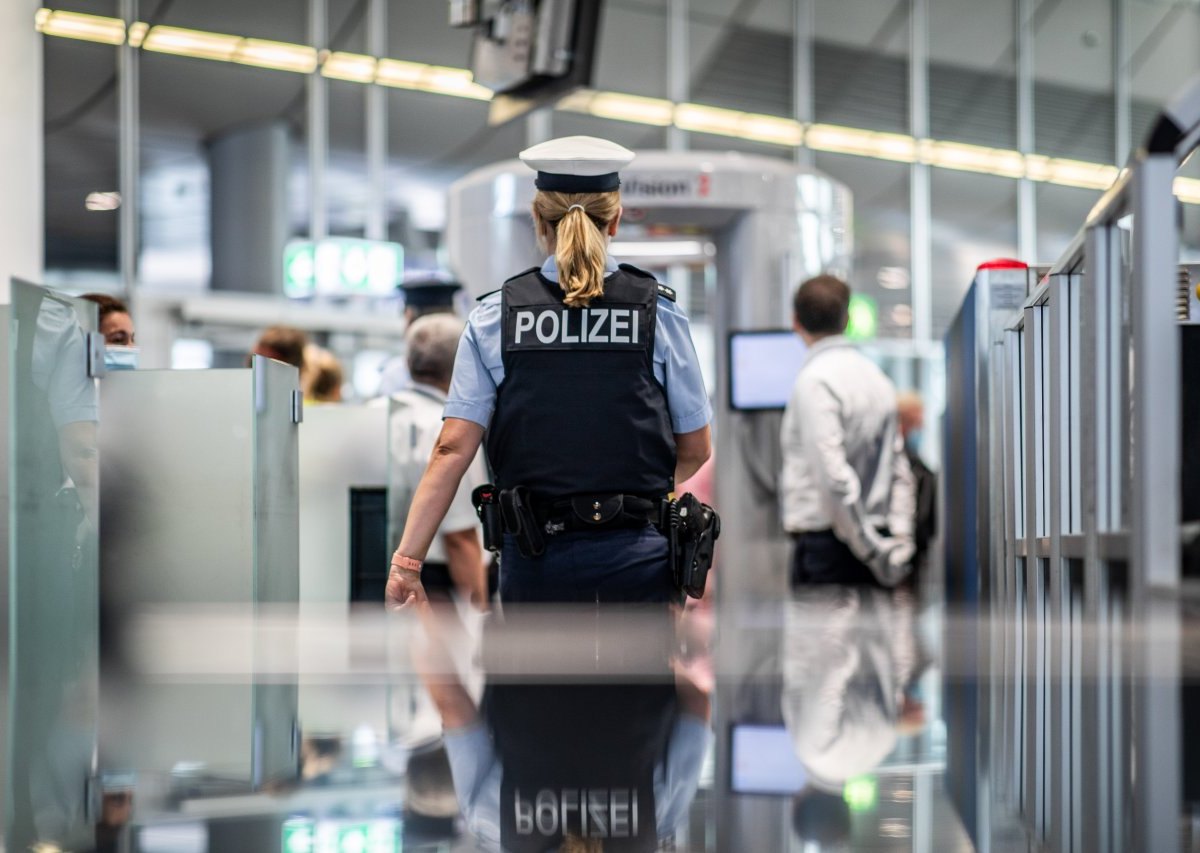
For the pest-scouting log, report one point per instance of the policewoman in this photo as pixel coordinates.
(584, 376)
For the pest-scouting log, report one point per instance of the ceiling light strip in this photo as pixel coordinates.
(617, 106)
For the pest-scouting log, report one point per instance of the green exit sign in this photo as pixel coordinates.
(302, 835)
(341, 266)
(864, 318)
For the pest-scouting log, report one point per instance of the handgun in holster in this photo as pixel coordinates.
(521, 521)
(692, 529)
(486, 499)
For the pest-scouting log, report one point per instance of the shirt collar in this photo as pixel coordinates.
(550, 267)
(429, 391)
(831, 342)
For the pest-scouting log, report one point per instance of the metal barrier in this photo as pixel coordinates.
(1076, 462)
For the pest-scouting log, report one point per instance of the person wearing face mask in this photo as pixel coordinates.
(116, 324)
(910, 411)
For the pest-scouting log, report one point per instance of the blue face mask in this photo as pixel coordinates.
(121, 358)
(914, 439)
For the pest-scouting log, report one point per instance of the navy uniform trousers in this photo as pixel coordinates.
(612, 567)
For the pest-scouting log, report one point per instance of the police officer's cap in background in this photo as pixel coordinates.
(577, 164)
(429, 291)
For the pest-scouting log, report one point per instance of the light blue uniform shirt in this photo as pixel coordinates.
(479, 369)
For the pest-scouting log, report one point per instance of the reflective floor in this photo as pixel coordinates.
(811, 724)
(835, 718)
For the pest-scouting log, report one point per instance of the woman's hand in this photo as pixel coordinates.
(404, 587)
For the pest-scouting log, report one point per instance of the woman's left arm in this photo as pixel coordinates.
(456, 446)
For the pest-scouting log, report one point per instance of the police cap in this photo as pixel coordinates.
(429, 291)
(577, 164)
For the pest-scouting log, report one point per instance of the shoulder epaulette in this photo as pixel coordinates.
(489, 293)
(635, 270)
(521, 273)
(663, 291)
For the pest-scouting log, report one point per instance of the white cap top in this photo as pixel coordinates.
(577, 164)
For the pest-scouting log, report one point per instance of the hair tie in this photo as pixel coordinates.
(580, 206)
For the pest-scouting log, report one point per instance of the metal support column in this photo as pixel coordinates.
(1026, 191)
(129, 150)
(318, 124)
(539, 126)
(376, 128)
(1122, 83)
(1156, 432)
(919, 177)
(802, 71)
(678, 67)
(1155, 504)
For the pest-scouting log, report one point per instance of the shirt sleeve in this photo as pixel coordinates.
(676, 778)
(476, 771)
(687, 397)
(472, 394)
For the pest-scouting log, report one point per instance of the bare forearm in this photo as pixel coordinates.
(692, 450)
(454, 704)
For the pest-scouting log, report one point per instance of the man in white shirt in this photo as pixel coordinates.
(847, 490)
(455, 560)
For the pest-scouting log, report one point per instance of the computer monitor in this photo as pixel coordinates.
(762, 368)
(763, 761)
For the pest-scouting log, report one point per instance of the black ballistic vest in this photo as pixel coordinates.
(580, 410)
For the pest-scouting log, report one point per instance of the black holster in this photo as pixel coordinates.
(521, 521)
(692, 529)
(486, 499)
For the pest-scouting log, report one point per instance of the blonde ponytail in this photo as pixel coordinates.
(580, 248)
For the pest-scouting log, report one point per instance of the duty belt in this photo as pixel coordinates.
(531, 518)
(691, 527)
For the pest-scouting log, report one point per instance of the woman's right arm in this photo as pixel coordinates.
(456, 446)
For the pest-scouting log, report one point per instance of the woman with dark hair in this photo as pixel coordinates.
(116, 324)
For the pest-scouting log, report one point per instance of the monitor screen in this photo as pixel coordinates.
(762, 368)
(763, 761)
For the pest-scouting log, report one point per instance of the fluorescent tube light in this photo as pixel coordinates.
(867, 143)
(633, 108)
(102, 201)
(77, 25)
(354, 67)
(659, 249)
(278, 55)
(137, 33)
(1187, 190)
(972, 158)
(196, 44)
(704, 119)
(437, 79)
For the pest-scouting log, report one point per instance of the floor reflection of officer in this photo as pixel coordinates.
(584, 375)
(849, 659)
(570, 765)
(423, 295)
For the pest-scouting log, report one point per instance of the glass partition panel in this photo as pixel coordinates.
(53, 608)
(276, 558)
